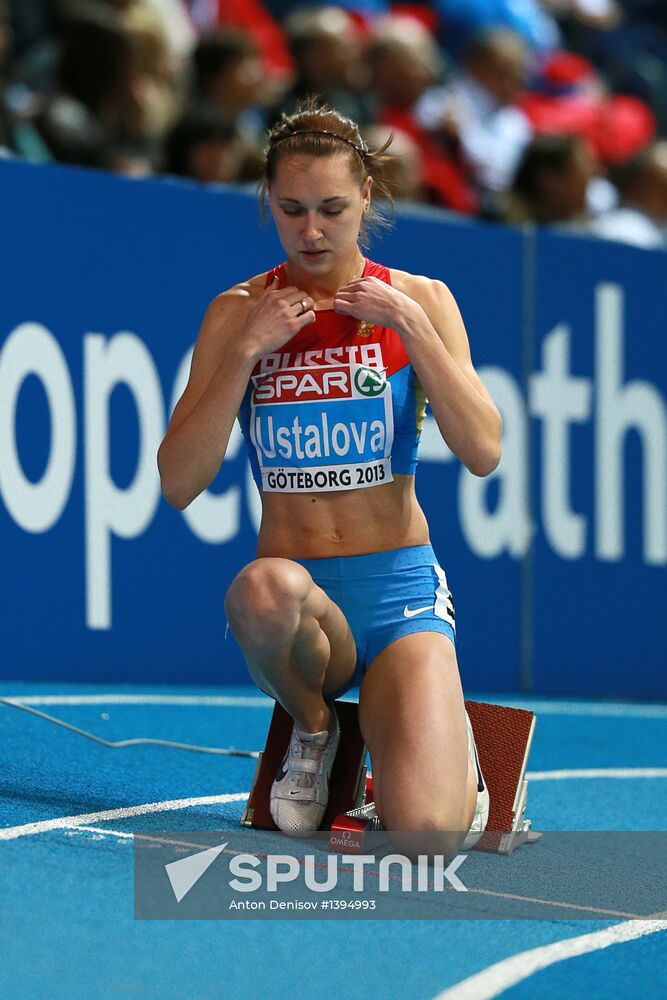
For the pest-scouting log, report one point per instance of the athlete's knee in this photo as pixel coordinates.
(264, 601)
(416, 813)
(420, 824)
(431, 831)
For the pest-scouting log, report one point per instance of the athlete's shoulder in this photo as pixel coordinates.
(241, 296)
(429, 292)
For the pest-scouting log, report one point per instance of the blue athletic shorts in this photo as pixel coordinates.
(384, 596)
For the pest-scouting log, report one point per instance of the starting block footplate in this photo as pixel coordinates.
(503, 737)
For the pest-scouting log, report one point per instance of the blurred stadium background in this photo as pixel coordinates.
(530, 175)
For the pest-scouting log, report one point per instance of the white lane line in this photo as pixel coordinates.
(558, 903)
(598, 772)
(122, 835)
(167, 841)
(61, 822)
(100, 829)
(629, 710)
(497, 978)
(620, 709)
(216, 701)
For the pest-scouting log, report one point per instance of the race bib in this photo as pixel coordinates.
(320, 428)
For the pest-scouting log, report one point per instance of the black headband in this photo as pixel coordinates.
(316, 131)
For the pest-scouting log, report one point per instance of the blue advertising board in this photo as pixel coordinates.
(600, 469)
(105, 281)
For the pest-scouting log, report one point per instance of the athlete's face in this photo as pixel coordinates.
(317, 205)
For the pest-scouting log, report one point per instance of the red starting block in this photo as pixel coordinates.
(503, 737)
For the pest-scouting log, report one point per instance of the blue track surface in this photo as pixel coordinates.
(66, 912)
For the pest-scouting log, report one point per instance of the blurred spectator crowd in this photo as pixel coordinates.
(547, 110)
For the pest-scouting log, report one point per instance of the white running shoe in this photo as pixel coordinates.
(481, 817)
(300, 793)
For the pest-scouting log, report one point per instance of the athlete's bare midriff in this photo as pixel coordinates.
(354, 522)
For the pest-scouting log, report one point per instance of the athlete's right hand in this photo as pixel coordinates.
(276, 317)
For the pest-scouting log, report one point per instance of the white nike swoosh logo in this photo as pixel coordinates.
(410, 613)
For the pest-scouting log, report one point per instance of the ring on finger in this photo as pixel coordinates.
(304, 306)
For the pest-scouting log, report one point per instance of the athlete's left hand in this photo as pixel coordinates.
(375, 302)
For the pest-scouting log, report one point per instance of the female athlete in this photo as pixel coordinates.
(327, 360)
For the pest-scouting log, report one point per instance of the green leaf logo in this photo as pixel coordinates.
(369, 381)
